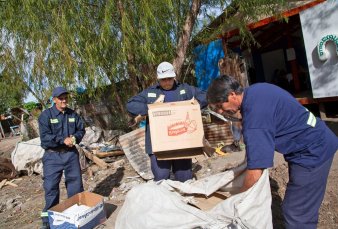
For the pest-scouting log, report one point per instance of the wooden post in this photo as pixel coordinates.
(293, 63)
(322, 111)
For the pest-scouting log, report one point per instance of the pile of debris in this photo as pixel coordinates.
(7, 172)
(98, 146)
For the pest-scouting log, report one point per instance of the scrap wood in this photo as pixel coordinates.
(101, 154)
(92, 157)
(6, 182)
(2, 183)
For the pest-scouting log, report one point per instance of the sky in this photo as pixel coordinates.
(30, 98)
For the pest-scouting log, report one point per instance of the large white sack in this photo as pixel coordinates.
(159, 205)
(27, 156)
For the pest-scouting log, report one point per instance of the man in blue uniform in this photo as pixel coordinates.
(274, 120)
(172, 91)
(60, 129)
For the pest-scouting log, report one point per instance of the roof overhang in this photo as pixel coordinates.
(288, 13)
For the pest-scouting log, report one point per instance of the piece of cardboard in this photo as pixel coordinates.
(176, 128)
(206, 203)
(179, 154)
(86, 219)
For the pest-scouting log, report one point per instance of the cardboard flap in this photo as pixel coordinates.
(90, 199)
(206, 203)
(66, 204)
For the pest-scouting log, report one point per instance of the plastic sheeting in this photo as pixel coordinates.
(206, 62)
(27, 156)
(163, 205)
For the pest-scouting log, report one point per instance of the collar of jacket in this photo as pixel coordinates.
(56, 112)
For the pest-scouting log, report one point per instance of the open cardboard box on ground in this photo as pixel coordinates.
(176, 129)
(61, 215)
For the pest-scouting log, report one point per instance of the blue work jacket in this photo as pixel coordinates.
(55, 127)
(274, 120)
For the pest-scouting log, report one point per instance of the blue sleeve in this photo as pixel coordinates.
(48, 139)
(80, 130)
(200, 95)
(259, 133)
(137, 105)
(260, 148)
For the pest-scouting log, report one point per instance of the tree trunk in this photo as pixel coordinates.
(184, 38)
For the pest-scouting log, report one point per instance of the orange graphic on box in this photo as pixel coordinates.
(186, 126)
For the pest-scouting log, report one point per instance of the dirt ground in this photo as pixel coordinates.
(20, 206)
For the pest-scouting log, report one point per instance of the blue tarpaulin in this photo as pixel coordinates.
(206, 62)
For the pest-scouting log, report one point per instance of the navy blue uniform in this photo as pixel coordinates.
(138, 105)
(54, 127)
(274, 120)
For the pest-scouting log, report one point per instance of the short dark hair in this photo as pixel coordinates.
(221, 87)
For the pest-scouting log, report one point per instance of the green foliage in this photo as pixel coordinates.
(30, 106)
(93, 43)
(88, 43)
(240, 13)
(11, 93)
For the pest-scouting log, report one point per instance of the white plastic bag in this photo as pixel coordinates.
(160, 205)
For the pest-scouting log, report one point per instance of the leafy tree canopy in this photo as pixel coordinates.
(93, 43)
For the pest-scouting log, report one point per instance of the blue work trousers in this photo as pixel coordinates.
(54, 163)
(161, 168)
(304, 195)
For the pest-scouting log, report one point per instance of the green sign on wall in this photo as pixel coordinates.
(322, 53)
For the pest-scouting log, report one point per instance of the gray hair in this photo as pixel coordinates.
(221, 87)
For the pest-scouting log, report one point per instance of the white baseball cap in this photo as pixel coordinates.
(165, 70)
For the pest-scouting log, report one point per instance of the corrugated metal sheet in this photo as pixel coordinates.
(218, 133)
(133, 145)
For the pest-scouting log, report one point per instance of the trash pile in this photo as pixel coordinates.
(97, 146)
(114, 162)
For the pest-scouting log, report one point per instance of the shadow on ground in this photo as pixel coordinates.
(105, 187)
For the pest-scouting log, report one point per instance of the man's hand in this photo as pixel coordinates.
(251, 177)
(160, 99)
(68, 141)
(136, 120)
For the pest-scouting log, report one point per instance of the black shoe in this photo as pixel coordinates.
(45, 225)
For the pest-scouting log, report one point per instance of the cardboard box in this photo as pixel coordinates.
(91, 215)
(207, 203)
(176, 129)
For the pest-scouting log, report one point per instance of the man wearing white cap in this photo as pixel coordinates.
(173, 91)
